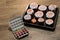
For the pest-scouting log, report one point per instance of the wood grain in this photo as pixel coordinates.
(13, 8)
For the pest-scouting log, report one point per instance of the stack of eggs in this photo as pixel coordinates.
(40, 13)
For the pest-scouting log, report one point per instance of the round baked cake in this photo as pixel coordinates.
(33, 5)
(39, 14)
(30, 11)
(50, 14)
(52, 7)
(49, 21)
(42, 7)
(41, 20)
(27, 17)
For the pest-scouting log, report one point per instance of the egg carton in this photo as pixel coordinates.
(15, 22)
(17, 26)
(42, 25)
(21, 33)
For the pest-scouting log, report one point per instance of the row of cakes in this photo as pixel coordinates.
(42, 7)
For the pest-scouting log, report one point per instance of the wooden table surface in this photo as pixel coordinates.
(13, 8)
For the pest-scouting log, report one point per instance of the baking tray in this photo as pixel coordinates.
(42, 25)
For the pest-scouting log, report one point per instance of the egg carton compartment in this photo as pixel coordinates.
(42, 25)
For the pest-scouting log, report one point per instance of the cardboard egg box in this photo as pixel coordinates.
(42, 25)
